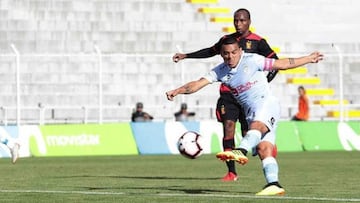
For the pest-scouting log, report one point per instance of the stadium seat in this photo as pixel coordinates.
(214, 10)
(304, 81)
(320, 92)
(300, 70)
(222, 19)
(329, 102)
(202, 1)
(276, 49)
(349, 113)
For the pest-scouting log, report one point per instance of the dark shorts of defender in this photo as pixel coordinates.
(227, 108)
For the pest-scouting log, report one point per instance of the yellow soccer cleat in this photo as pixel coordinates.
(235, 155)
(271, 190)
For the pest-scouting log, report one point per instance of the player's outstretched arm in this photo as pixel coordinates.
(288, 63)
(188, 88)
(202, 53)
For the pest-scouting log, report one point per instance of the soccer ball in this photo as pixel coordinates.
(189, 145)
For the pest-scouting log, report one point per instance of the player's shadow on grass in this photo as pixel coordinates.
(169, 188)
(178, 189)
(196, 191)
(143, 177)
(165, 178)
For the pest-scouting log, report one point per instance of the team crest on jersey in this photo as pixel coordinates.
(248, 44)
(246, 68)
(222, 109)
(228, 77)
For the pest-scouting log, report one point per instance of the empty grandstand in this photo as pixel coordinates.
(64, 61)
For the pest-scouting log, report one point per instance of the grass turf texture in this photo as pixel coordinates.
(306, 176)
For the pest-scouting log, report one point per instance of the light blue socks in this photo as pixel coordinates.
(270, 169)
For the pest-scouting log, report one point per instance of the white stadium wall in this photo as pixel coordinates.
(59, 68)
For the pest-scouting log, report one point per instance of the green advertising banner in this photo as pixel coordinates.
(319, 135)
(119, 139)
(84, 139)
(294, 136)
(288, 138)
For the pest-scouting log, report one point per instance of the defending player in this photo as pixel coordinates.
(243, 73)
(228, 111)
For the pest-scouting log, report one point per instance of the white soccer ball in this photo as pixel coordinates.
(190, 145)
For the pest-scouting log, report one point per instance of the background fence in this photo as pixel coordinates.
(97, 87)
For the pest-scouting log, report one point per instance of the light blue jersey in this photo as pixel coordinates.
(249, 86)
(247, 80)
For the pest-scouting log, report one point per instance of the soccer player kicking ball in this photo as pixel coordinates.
(228, 110)
(243, 73)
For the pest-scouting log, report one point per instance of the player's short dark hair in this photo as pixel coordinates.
(243, 10)
(183, 106)
(139, 105)
(229, 40)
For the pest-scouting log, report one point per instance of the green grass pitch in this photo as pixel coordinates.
(306, 176)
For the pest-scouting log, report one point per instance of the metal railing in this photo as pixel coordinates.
(47, 115)
(95, 113)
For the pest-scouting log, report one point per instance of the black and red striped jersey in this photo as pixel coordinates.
(252, 43)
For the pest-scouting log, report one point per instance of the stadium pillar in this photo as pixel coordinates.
(100, 84)
(341, 91)
(18, 103)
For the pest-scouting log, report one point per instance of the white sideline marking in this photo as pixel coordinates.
(63, 192)
(266, 197)
(187, 195)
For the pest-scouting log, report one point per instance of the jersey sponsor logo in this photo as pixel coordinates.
(73, 140)
(242, 88)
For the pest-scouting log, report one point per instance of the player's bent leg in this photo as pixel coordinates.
(251, 140)
(270, 169)
(274, 151)
(256, 149)
(266, 149)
